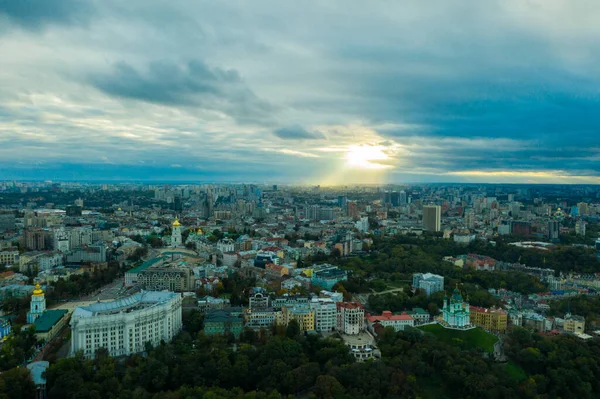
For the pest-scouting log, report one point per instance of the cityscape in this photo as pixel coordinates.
(95, 270)
(314, 200)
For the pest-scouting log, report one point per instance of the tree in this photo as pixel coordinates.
(293, 329)
(16, 383)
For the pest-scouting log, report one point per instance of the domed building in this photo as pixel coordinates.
(38, 304)
(176, 240)
(456, 313)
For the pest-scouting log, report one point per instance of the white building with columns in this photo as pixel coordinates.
(124, 326)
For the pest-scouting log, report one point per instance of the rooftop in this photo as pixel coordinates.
(48, 319)
(137, 301)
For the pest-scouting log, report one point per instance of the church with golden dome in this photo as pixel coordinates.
(176, 240)
(38, 304)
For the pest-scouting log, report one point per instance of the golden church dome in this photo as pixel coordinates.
(38, 290)
(176, 223)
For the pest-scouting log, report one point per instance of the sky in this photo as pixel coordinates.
(311, 92)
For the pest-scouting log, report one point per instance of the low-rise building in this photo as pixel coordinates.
(302, 313)
(574, 324)
(222, 322)
(429, 282)
(490, 319)
(326, 276)
(388, 319)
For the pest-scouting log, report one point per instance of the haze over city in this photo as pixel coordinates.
(311, 92)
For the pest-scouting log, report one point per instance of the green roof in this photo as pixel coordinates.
(144, 266)
(419, 311)
(48, 319)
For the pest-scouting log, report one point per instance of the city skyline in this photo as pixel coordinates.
(456, 92)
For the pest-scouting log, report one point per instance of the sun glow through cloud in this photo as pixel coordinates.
(364, 157)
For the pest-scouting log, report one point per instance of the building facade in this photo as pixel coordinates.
(325, 314)
(125, 325)
(432, 217)
(495, 320)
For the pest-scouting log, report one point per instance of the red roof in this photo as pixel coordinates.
(387, 315)
(349, 305)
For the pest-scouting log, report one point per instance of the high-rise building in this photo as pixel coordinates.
(403, 199)
(584, 209)
(553, 229)
(432, 217)
(7, 221)
(342, 200)
(580, 228)
(325, 314)
(352, 209)
(34, 239)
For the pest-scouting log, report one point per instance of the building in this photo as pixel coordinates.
(325, 314)
(257, 319)
(553, 230)
(574, 324)
(302, 313)
(35, 239)
(208, 303)
(388, 319)
(580, 228)
(259, 300)
(37, 370)
(176, 240)
(91, 253)
(490, 319)
(132, 275)
(352, 209)
(350, 317)
(50, 323)
(429, 282)
(432, 217)
(223, 322)
(420, 315)
(7, 221)
(173, 278)
(5, 328)
(37, 305)
(326, 276)
(456, 313)
(9, 257)
(125, 325)
(226, 245)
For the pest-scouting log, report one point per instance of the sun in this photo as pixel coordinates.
(365, 156)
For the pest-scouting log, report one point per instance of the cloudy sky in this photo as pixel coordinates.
(309, 92)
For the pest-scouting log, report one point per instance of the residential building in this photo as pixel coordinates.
(350, 317)
(429, 282)
(302, 313)
(432, 217)
(259, 300)
(125, 325)
(91, 253)
(420, 315)
(580, 228)
(9, 257)
(490, 319)
(574, 324)
(325, 314)
(209, 303)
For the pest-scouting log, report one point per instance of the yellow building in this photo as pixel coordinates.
(304, 315)
(494, 320)
(574, 324)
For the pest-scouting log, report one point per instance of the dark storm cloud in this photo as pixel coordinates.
(297, 133)
(190, 84)
(34, 14)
